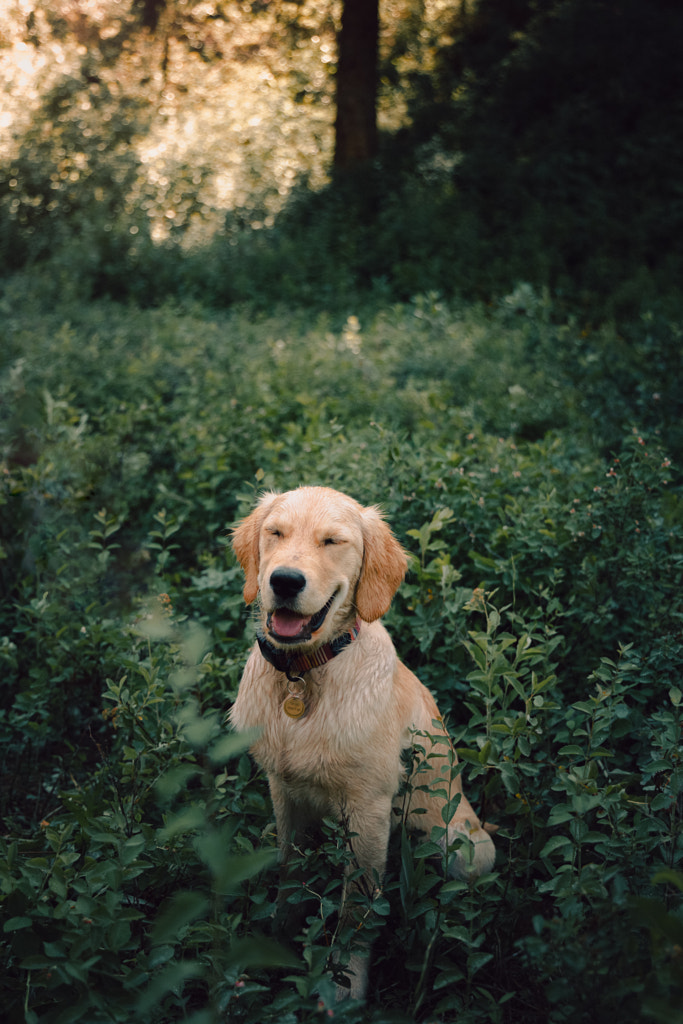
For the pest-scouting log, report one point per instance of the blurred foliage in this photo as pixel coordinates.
(522, 142)
(159, 132)
(562, 115)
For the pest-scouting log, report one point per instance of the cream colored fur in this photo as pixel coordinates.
(343, 758)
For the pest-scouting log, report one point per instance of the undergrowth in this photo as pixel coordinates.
(529, 463)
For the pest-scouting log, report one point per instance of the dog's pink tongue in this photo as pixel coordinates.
(287, 623)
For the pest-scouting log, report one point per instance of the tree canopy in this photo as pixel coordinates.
(521, 140)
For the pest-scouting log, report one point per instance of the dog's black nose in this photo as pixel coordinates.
(287, 583)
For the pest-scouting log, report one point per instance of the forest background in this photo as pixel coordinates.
(445, 280)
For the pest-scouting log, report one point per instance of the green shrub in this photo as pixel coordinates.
(542, 608)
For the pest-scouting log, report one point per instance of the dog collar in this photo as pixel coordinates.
(294, 665)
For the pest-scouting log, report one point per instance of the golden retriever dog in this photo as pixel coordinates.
(335, 707)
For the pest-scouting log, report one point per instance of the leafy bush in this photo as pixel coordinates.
(542, 608)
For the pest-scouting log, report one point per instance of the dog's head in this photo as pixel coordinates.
(318, 560)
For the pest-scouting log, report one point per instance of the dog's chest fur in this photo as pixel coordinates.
(350, 702)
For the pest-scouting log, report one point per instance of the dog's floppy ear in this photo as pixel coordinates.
(245, 544)
(384, 566)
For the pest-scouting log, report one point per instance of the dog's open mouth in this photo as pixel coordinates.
(291, 627)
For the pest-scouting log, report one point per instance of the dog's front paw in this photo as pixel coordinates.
(356, 971)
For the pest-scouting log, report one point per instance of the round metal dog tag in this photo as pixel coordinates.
(294, 707)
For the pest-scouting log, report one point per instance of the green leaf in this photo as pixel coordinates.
(483, 560)
(475, 961)
(132, 848)
(187, 820)
(171, 979)
(445, 979)
(176, 914)
(458, 932)
(427, 849)
(54, 950)
(587, 706)
(118, 935)
(450, 807)
(230, 746)
(554, 844)
(174, 781)
(543, 683)
(670, 876)
(477, 654)
(455, 885)
(13, 924)
(468, 755)
(230, 871)
(513, 680)
(559, 814)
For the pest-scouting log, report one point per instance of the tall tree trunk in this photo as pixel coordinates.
(149, 12)
(356, 124)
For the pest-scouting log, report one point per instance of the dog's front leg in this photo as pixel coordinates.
(369, 826)
(296, 826)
